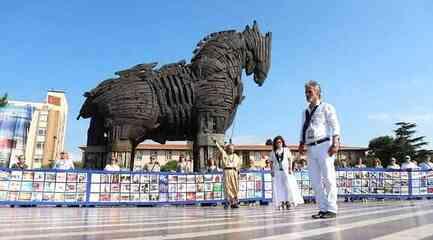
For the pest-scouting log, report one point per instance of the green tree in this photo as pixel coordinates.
(169, 166)
(406, 143)
(4, 100)
(383, 148)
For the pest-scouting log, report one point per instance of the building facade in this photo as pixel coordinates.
(33, 130)
(258, 152)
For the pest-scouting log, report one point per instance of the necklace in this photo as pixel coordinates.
(280, 157)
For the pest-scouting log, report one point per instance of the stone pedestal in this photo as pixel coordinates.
(95, 156)
(205, 149)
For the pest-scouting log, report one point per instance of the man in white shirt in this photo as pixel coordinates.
(252, 165)
(393, 164)
(153, 165)
(321, 134)
(114, 166)
(408, 164)
(426, 164)
(360, 164)
(64, 163)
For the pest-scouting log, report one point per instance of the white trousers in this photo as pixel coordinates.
(323, 178)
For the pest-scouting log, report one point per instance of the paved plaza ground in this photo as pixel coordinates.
(373, 220)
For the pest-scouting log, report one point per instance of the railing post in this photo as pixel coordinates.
(88, 185)
(410, 183)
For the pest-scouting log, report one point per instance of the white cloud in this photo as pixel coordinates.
(248, 139)
(75, 156)
(379, 116)
(423, 117)
(407, 117)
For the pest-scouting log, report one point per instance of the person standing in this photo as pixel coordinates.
(426, 163)
(360, 164)
(153, 165)
(181, 164)
(231, 165)
(212, 167)
(64, 163)
(285, 189)
(377, 163)
(408, 164)
(20, 164)
(321, 135)
(114, 166)
(393, 164)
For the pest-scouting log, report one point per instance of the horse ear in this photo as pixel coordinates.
(255, 26)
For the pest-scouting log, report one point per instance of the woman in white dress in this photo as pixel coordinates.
(285, 189)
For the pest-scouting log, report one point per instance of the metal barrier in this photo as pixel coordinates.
(86, 187)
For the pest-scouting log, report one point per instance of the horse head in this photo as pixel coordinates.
(258, 54)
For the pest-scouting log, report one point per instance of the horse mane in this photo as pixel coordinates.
(208, 38)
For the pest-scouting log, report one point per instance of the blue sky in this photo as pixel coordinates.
(373, 58)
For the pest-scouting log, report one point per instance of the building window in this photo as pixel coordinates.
(43, 118)
(39, 145)
(42, 131)
(168, 155)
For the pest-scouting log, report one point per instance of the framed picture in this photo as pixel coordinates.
(125, 188)
(4, 175)
(48, 197)
(81, 187)
(115, 197)
(136, 178)
(95, 187)
(199, 196)
(27, 176)
(4, 185)
(190, 196)
(172, 178)
(190, 187)
(14, 186)
(172, 188)
(154, 188)
(217, 187)
(144, 188)
(125, 178)
(36, 196)
(13, 196)
(199, 178)
(82, 177)
(59, 197)
(181, 187)
(163, 179)
(39, 176)
(50, 177)
(60, 187)
(70, 197)
(25, 196)
(61, 177)
(144, 197)
(144, 178)
(154, 179)
(27, 186)
(16, 175)
(154, 197)
(71, 187)
(181, 179)
(200, 187)
(190, 178)
(72, 177)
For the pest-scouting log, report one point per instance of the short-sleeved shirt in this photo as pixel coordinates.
(324, 123)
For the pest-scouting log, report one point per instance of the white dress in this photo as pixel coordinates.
(285, 188)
